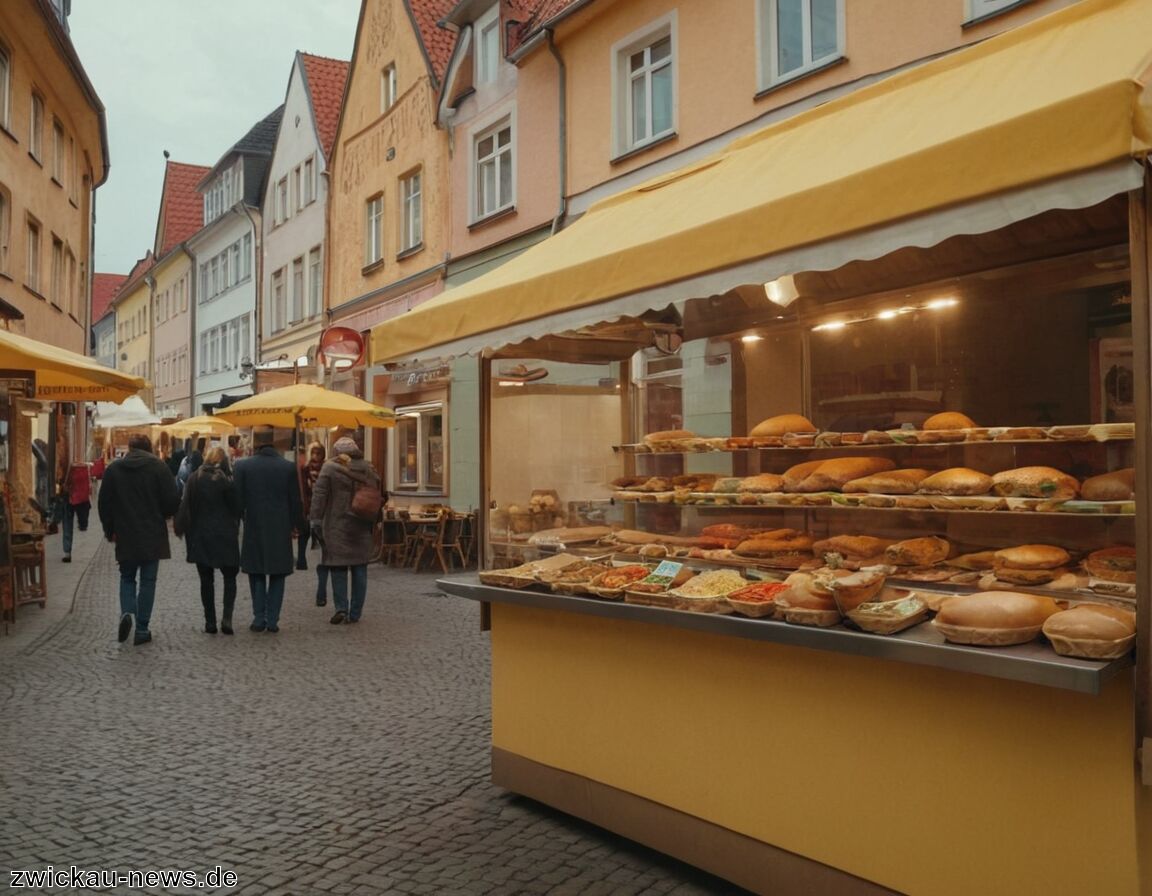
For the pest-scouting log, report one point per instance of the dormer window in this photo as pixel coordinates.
(487, 52)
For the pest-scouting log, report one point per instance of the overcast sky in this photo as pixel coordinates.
(190, 78)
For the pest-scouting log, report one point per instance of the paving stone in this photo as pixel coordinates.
(331, 759)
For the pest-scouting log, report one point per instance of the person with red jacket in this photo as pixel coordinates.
(77, 490)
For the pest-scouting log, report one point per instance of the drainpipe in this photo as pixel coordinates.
(150, 320)
(193, 342)
(258, 273)
(562, 89)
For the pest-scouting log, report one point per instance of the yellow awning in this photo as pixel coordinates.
(1061, 96)
(61, 375)
(304, 404)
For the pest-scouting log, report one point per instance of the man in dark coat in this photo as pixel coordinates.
(270, 502)
(137, 496)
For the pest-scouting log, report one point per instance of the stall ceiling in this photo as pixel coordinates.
(1070, 99)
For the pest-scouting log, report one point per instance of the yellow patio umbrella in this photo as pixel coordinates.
(61, 375)
(204, 425)
(306, 405)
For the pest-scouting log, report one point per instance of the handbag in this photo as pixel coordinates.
(366, 501)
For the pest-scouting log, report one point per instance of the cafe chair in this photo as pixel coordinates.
(393, 542)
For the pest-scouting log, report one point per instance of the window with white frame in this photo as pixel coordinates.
(309, 180)
(421, 449)
(246, 255)
(487, 52)
(36, 128)
(411, 216)
(798, 36)
(645, 75)
(5, 227)
(32, 272)
(58, 152)
(5, 87)
(373, 230)
(388, 87)
(493, 170)
(280, 211)
(977, 9)
(297, 188)
(279, 311)
(315, 282)
(297, 289)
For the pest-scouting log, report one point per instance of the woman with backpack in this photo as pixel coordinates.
(342, 517)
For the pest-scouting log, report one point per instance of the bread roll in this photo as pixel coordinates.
(793, 476)
(853, 589)
(890, 482)
(980, 560)
(948, 420)
(994, 618)
(1091, 631)
(851, 547)
(781, 424)
(830, 475)
(917, 551)
(1032, 556)
(668, 435)
(1119, 485)
(1114, 564)
(956, 481)
(1036, 482)
(773, 542)
(762, 484)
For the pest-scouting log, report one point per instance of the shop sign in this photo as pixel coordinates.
(424, 377)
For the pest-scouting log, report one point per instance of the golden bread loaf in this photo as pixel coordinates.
(948, 420)
(781, 424)
(917, 551)
(889, 482)
(831, 474)
(1036, 482)
(994, 618)
(1119, 485)
(956, 481)
(1091, 631)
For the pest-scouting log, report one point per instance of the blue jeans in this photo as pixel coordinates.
(267, 597)
(138, 602)
(340, 588)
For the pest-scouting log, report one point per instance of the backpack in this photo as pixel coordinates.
(366, 501)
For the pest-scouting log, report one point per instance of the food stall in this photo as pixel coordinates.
(993, 265)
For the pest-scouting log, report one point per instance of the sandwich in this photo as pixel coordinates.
(851, 551)
(830, 475)
(1030, 564)
(807, 601)
(889, 482)
(923, 551)
(1114, 564)
(956, 481)
(1036, 482)
(777, 548)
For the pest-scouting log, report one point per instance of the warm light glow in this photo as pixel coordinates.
(782, 291)
(942, 303)
(887, 315)
(751, 337)
(831, 325)
(509, 382)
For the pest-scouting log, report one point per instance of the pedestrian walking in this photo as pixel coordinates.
(346, 542)
(98, 466)
(309, 472)
(136, 498)
(77, 494)
(209, 522)
(270, 505)
(190, 464)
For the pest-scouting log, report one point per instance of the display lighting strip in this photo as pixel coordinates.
(888, 314)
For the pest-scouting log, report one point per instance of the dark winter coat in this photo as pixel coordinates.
(137, 495)
(209, 518)
(270, 503)
(347, 537)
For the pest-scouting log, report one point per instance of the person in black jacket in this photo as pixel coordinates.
(270, 503)
(137, 496)
(209, 521)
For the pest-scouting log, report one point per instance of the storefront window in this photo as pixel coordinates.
(420, 448)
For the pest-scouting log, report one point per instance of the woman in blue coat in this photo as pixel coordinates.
(209, 521)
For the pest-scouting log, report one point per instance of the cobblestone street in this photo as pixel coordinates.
(323, 759)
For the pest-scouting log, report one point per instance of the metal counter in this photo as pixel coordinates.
(1035, 663)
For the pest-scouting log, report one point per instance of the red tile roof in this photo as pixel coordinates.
(324, 80)
(181, 206)
(533, 15)
(104, 288)
(437, 42)
(142, 267)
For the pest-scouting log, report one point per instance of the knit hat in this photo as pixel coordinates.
(346, 445)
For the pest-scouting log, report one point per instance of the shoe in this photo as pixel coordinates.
(301, 564)
(350, 620)
(272, 629)
(67, 558)
(209, 628)
(141, 637)
(83, 528)
(257, 627)
(321, 600)
(338, 617)
(124, 628)
(225, 628)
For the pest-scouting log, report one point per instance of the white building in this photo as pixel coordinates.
(227, 252)
(295, 204)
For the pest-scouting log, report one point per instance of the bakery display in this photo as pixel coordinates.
(994, 618)
(1091, 631)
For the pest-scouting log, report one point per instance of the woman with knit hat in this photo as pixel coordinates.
(345, 537)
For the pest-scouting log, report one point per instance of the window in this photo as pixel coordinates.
(72, 288)
(234, 251)
(280, 211)
(58, 142)
(32, 274)
(494, 170)
(5, 227)
(411, 222)
(487, 53)
(225, 278)
(315, 283)
(297, 191)
(279, 312)
(309, 181)
(420, 448)
(388, 88)
(73, 174)
(799, 35)
(5, 87)
(978, 9)
(246, 255)
(298, 289)
(36, 128)
(56, 286)
(373, 227)
(647, 101)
